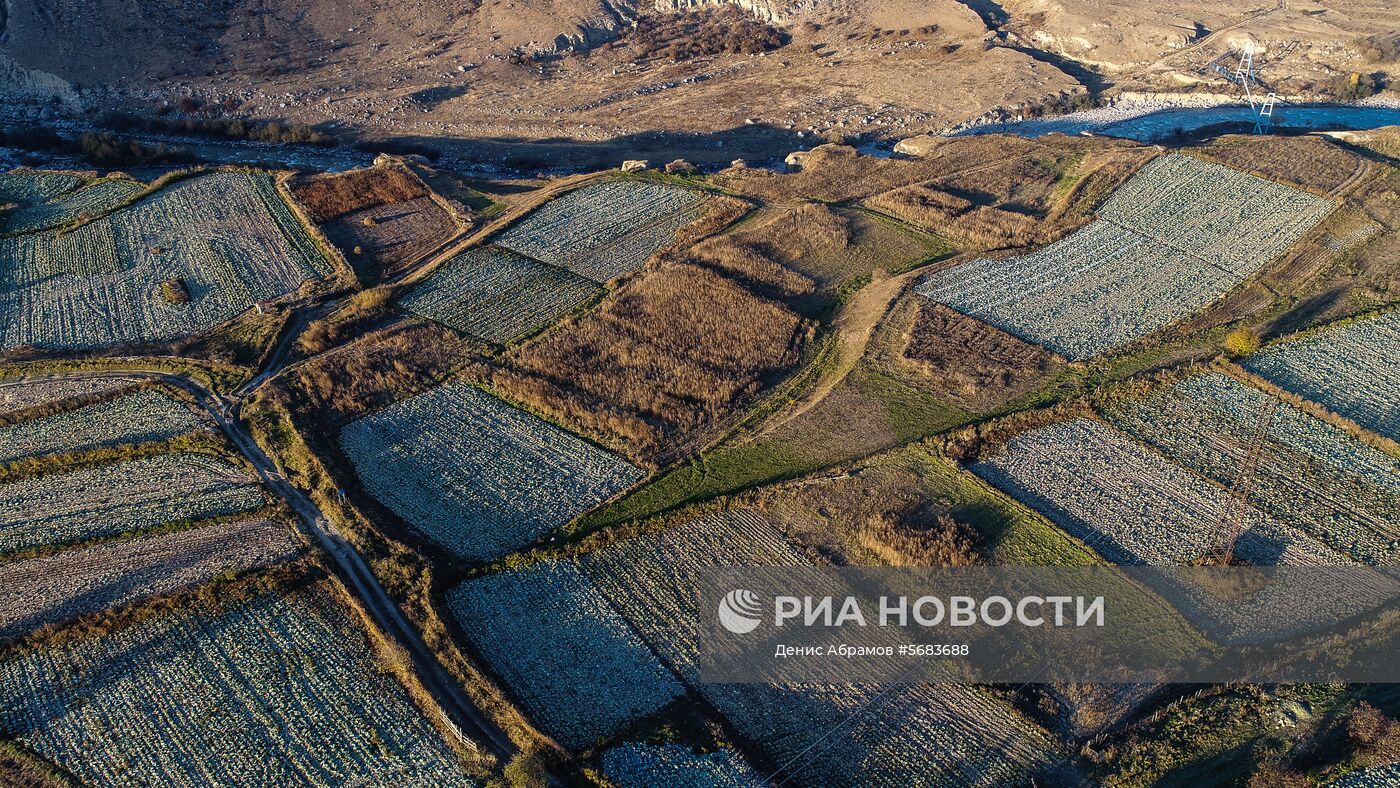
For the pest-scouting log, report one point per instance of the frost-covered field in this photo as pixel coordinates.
(574, 663)
(280, 689)
(1130, 504)
(477, 475)
(19, 395)
(1349, 369)
(497, 294)
(126, 496)
(933, 735)
(1310, 475)
(54, 588)
(601, 232)
(26, 187)
(94, 200)
(1175, 237)
(136, 418)
(227, 236)
(634, 765)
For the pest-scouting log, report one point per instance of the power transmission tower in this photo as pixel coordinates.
(1264, 121)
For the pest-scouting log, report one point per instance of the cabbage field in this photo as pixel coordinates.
(1310, 475)
(27, 187)
(119, 498)
(89, 201)
(1131, 504)
(476, 475)
(227, 236)
(933, 735)
(279, 689)
(603, 231)
(635, 765)
(18, 395)
(1178, 235)
(575, 664)
(141, 417)
(1349, 369)
(498, 295)
(54, 588)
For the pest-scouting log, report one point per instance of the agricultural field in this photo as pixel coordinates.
(498, 295)
(1174, 238)
(835, 245)
(142, 417)
(1130, 504)
(276, 689)
(1310, 475)
(937, 735)
(54, 588)
(476, 475)
(19, 395)
(660, 360)
(1348, 369)
(383, 219)
(90, 201)
(227, 238)
(29, 187)
(120, 498)
(634, 765)
(575, 664)
(603, 231)
(970, 363)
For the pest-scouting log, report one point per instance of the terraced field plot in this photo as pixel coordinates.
(27, 187)
(943, 735)
(476, 475)
(19, 395)
(603, 231)
(135, 418)
(634, 765)
(1130, 504)
(1349, 369)
(577, 667)
(391, 237)
(89, 201)
(832, 246)
(1178, 235)
(1310, 475)
(280, 689)
(498, 295)
(126, 496)
(227, 237)
(54, 588)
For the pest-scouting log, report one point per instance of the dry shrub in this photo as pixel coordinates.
(680, 37)
(331, 196)
(972, 363)
(669, 354)
(942, 542)
(1374, 737)
(1274, 775)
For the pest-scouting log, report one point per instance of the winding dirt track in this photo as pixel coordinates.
(452, 701)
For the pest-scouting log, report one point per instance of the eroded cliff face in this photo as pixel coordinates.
(33, 85)
(773, 11)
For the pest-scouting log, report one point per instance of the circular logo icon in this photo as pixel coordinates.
(739, 611)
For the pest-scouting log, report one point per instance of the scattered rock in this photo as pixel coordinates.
(635, 165)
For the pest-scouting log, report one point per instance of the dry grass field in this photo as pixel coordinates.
(666, 356)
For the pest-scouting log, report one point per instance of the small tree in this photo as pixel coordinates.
(1241, 342)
